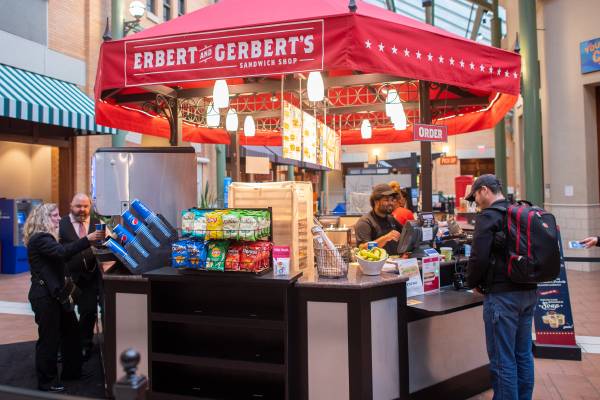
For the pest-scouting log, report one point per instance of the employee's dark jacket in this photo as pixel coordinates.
(371, 226)
(47, 263)
(487, 266)
(83, 264)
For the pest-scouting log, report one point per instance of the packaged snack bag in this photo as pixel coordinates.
(249, 227)
(196, 254)
(232, 260)
(216, 254)
(179, 254)
(199, 228)
(187, 222)
(250, 257)
(231, 224)
(214, 225)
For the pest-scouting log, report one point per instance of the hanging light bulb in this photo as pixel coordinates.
(213, 118)
(249, 126)
(445, 149)
(231, 122)
(221, 94)
(315, 86)
(392, 101)
(399, 121)
(365, 129)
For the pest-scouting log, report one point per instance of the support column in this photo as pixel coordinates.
(500, 129)
(323, 192)
(116, 27)
(532, 119)
(221, 166)
(425, 118)
(175, 125)
(290, 173)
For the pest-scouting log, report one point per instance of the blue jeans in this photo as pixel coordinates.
(508, 317)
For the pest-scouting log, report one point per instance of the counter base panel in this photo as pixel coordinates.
(459, 387)
(445, 346)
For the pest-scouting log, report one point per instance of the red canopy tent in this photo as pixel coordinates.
(159, 81)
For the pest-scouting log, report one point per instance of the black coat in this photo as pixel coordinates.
(76, 266)
(47, 263)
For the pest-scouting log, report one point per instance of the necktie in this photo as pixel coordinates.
(82, 231)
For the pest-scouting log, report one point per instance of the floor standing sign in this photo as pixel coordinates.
(554, 327)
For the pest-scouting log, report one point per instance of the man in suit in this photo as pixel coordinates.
(83, 267)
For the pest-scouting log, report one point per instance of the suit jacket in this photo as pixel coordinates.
(81, 265)
(47, 263)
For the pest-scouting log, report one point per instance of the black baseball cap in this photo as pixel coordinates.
(488, 180)
(383, 189)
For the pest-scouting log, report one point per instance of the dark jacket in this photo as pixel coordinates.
(489, 251)
(81, 265)
(47, 263)
(371, 226)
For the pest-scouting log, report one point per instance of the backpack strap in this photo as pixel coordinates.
(489, 274)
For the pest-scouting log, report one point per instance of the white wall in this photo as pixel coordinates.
(25, 171)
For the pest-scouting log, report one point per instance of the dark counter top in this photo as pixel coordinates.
(169, 274)
(354, 280)
(446, 301)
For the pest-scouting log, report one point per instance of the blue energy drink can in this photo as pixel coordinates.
(371, 245)
(121, 253)
(139, 228)
(127, 237)
(150, 218)
(101, 228)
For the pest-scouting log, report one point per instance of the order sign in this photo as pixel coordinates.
(430, 133)
(259, 50)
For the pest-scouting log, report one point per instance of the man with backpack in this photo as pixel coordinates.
(508, 306)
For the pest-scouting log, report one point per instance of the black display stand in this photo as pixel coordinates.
(556, 352)
(219, 336)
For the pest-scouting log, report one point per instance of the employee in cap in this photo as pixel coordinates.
(379, 225)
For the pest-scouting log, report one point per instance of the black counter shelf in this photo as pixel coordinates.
(219, 336)
(448, 300)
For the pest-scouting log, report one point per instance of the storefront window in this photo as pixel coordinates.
(151, 6)
(166, 10)
(181, 8)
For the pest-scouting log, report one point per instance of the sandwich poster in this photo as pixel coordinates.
(431, 274)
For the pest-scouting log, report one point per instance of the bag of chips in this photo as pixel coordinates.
(250, 258)
(232, 260)
(199, 228)
(196, 254)
(249, 226)
(216, 254)
(214, 225)
(231, 224)
(179, 254)
(187, 221)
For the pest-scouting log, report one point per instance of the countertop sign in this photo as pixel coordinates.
(430, 133)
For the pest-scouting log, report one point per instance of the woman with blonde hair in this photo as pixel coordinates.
(51, 295)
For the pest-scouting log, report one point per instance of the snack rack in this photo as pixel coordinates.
(236, 237)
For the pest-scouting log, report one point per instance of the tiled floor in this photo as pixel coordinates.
(555, 380)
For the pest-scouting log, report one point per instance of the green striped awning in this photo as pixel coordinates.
(38, 98)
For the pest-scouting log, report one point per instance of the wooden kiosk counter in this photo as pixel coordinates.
(223, 336)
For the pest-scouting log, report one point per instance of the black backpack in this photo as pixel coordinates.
(532, 242)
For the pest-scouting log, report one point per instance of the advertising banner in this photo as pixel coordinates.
(260, 50)
(430, 133)
(431, 274)
(590, 56)
(553, 317)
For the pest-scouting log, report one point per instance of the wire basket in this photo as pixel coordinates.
(333, 263)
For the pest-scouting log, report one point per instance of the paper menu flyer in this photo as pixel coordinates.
(309, 138)
(431, 274)
(410, 268)
(292, 132)
(281, 260)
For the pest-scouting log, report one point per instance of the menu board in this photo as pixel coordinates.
(309, 138)
(292, 132)
(305, 138)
